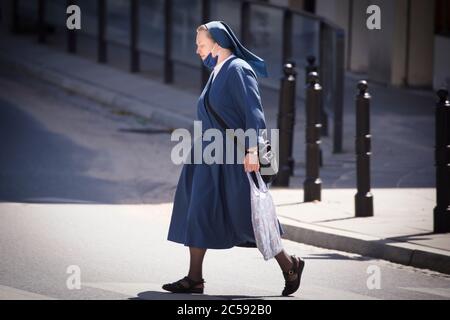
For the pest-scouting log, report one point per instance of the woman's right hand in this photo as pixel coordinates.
(251, 162)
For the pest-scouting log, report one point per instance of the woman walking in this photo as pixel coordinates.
(212, 208)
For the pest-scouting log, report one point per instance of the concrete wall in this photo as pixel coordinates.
(401, 53)
(387, 47)
(421, 44)
(359, 37)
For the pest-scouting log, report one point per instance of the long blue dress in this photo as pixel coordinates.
(212, 206)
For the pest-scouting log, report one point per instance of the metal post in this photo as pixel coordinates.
(309, 6)
(338, 92)
(134, 36)
(441, 212)
(286, 121)
(168, 63)
(41, 21)
(71, 34)
(101, 37)
(245, 23)
(15, 16)
(287, 35)
(289, 97)
(206, 13)
(363, 197)
(312, 67)
(324, 68)
(312, 185)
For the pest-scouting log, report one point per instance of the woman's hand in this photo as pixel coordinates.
(251, 161)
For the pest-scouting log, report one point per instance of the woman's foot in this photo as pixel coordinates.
(185, 285)
(293, 276)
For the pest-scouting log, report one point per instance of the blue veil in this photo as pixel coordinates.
(225, 37)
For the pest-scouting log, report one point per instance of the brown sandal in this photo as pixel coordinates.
(180, 287)
(292, 285)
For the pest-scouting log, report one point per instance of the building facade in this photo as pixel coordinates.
(412, 48)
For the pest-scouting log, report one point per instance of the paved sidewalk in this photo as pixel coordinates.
(402, 163)
(400, 231)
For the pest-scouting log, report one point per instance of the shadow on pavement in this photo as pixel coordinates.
(155, 295)
(39, 166)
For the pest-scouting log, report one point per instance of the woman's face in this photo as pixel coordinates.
(205, 45)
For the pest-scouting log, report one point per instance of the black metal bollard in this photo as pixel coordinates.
(312, 67)
(363, 197)
(339, 79)
(441, 212)
(312, 185)
(286, 121)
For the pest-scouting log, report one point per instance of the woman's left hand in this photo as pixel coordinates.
(251, 162)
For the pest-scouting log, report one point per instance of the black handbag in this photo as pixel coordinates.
(268, 165)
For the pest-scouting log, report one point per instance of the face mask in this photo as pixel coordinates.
(210, 62)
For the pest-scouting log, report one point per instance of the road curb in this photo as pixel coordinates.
(398, 252)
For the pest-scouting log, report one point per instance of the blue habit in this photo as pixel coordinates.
(212, 206)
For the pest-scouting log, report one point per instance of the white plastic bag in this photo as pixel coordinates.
(264, 219)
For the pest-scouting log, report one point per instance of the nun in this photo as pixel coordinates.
(212, 208)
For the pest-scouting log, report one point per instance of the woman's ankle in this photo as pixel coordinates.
(195, 277)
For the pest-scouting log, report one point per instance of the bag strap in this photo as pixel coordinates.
(219, 119)
(256, 179)
(211, 110)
